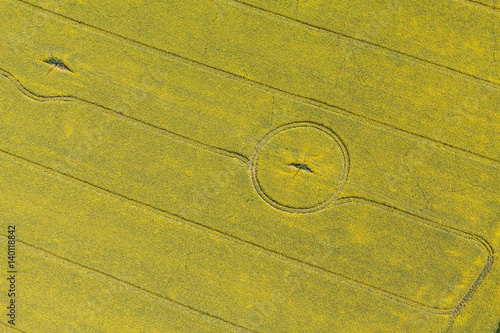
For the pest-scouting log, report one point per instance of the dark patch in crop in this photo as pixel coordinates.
(301, 166)
(57, 63)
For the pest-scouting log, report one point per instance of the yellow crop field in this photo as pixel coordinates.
(250, 166)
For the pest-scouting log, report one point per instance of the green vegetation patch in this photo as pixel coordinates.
(53, 61)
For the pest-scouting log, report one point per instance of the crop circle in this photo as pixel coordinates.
(300, 167)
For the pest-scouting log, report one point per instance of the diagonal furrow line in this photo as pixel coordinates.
(481, 5)
(145, 125)
(12, 328)
(358, 41)
(77, 266)
(469, 294)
